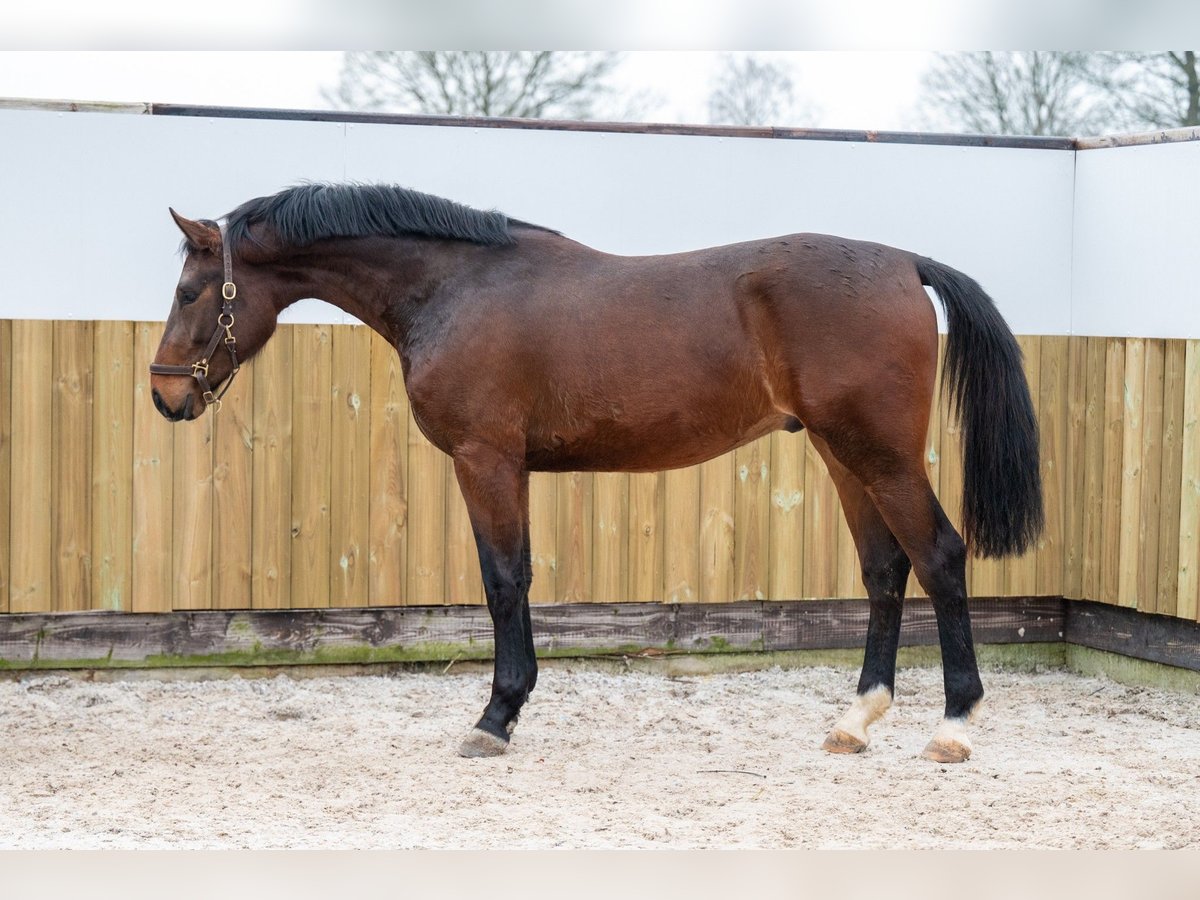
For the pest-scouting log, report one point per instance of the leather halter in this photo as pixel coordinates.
(223, 334)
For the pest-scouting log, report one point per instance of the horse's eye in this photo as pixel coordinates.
(186, 297)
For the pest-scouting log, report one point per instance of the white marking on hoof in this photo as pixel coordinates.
(480, 743)
(849, 735)
(950, 743)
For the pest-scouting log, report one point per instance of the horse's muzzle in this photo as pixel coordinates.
(185, 412)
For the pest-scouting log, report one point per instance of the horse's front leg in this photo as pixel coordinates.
(496, 489)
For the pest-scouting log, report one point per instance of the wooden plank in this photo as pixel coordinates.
(681, 535)
(1110, 486)
(573, 579)
(1020, 573)
(543, 525)
(1151, 488)
(834, 624)
(1161, 639)
(603, 627)
(821, 510)
(849, 572)
(232, 638)
(239, 638)
(986, 577)
(5, 457)
(1189, 506)
(192, 559)
(1171, 480)
(751, 512)
(350, 464)
(1092, 499)
(427, 487)
(388, 481)
(1133, 398)
(233, 495)
(610, 537)
(153, 483)
(1053, 380)
(739, 131)
(716, 529)
(786, 517)
(701, 627)
(464, 583)
(1073, 474)
(112, 466)
(312, 413)
(71, 466)
(271, 496)
(30, 530)
(647, 506)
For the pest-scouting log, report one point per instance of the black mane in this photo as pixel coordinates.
(307, 213)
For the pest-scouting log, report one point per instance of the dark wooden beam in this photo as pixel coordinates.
(731, 131)
(829, 624)
(1160, 639)
(397, 634)
(1034, 142)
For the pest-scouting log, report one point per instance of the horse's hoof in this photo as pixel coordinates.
(849, 735)
(946, 752)
(481, 743)
(949, 743)
(838, 741)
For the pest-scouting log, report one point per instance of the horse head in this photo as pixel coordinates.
(217, 322)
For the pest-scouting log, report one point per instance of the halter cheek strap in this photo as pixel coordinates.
(222, 335)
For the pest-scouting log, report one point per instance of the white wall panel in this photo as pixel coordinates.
(1001, 215)
(85, 232)
(1094, 242)
(1137, 267)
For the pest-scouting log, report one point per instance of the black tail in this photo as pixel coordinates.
(1002, 483)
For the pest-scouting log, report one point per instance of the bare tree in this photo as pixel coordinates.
(522, 83)
(1036, 92)
(752, 91)
(1149, 90)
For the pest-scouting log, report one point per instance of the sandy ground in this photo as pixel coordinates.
(599, 760)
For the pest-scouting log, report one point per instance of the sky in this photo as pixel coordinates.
(842, 89)
(857, 63)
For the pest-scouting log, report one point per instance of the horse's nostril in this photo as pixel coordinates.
(161, 406)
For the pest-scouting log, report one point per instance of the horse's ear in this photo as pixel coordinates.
(200, 235)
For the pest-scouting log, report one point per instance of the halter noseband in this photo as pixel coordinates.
(223, 334)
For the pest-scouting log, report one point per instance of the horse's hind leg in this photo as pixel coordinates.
(885, 571)
(939, 558)
(894, 479)
(496, 490)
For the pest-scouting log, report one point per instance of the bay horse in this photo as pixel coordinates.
(524, 351)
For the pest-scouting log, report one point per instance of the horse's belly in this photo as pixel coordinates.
(666, 444)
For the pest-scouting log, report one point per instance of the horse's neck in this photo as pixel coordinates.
(382, 283)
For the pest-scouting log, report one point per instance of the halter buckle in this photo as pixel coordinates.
(229, 290)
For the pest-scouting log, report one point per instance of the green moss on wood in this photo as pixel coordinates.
(719, 656)
(1126, 670)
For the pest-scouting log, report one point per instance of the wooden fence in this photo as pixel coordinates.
(314, 488)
